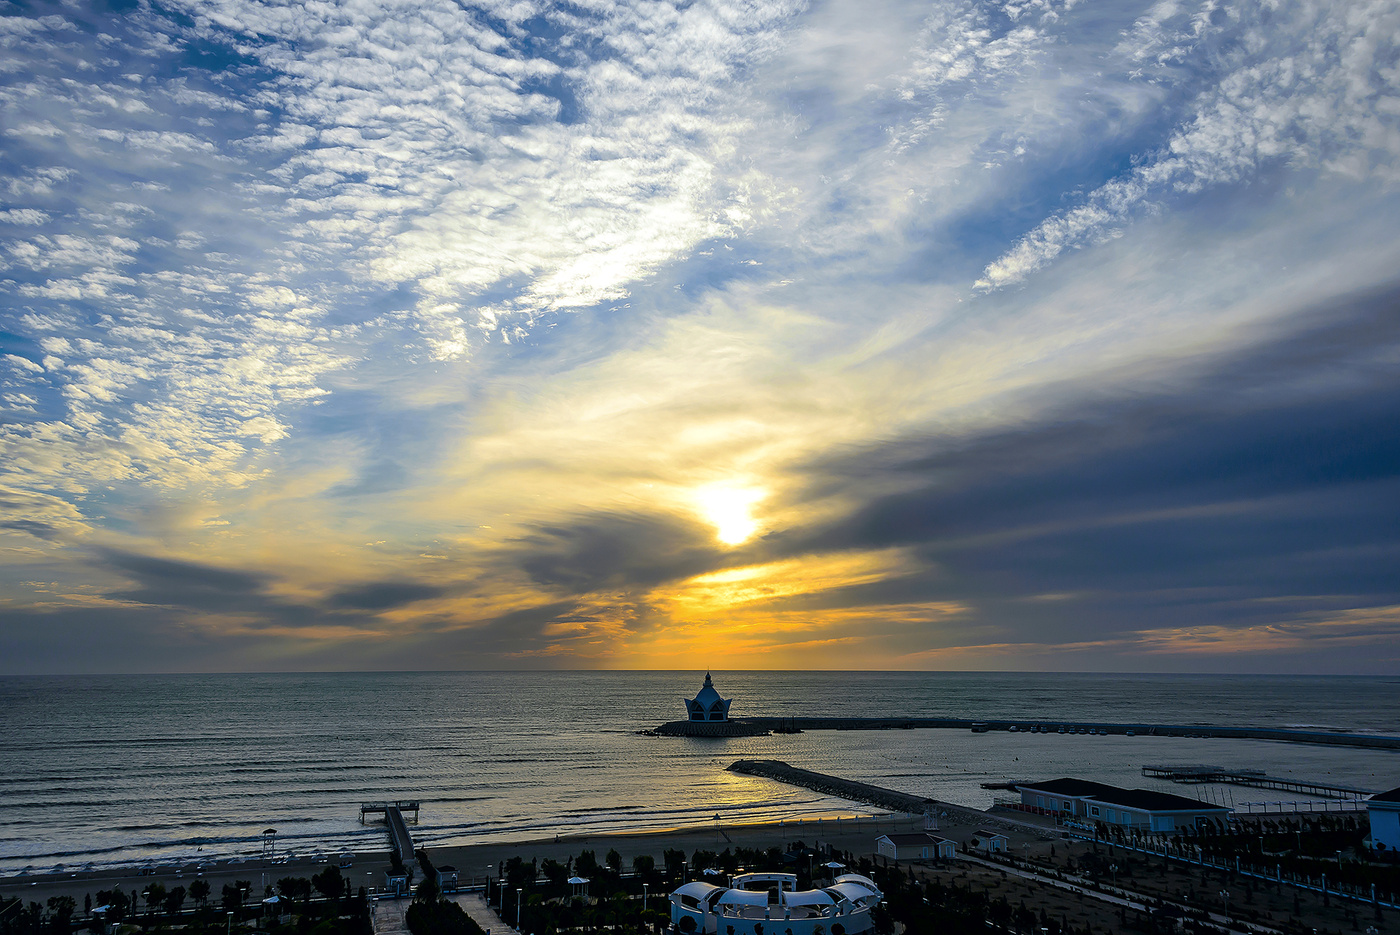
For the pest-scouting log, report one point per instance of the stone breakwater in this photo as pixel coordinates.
(754, 726)
(857, 791)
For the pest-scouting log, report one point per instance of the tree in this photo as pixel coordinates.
(519, 873)
(555, 872)
(232, 897)
(586, 865)
(644, 866)
(199, 892)
(427, 891)
(174, 900)
(330, 884)
(155, 897)
(674, 860)
(61, 913)
(614, 861)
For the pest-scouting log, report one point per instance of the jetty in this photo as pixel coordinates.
(851, 790)
(747, 727)
(1253, 777)
(399, 838)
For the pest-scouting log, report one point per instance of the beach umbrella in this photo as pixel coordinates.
(834, 865)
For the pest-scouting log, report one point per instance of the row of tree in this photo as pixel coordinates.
(158, 905)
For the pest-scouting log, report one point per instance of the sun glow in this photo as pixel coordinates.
(730, 510)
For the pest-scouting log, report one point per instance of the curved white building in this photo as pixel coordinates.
(771, 904)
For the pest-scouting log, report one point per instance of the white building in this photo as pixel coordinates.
(707, 705)
(1384, 808)
(992, 841)
(1145, 809)
(770, 903)
(1149, 810)
(917, 846)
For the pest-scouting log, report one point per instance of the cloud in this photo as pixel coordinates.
(527, 334)
(382, 595)
(1301, 85)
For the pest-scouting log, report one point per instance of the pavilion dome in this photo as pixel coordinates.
(707, 705)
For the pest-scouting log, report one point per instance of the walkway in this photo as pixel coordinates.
(388, 916)
(483, 915)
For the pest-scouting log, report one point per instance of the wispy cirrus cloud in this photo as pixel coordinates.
(1307, 86)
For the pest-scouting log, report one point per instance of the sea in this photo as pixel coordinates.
(111, 771)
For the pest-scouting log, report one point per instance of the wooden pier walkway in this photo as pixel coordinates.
(399, 837)
(1253, 777)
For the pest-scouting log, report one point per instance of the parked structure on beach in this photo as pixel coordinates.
(1384, 808)
(760, 902)
(707, 705)
(1146, 809)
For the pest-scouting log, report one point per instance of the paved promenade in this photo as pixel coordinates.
(389, 915)
(483, 915)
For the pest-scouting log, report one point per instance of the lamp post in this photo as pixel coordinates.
(1225, 898)
(644, 897)
(518, 891)
(229, 928)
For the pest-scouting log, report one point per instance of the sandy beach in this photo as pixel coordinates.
(474, 862)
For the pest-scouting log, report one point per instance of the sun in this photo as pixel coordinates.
(729, 508)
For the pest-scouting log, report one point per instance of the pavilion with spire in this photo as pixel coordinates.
(707, 705)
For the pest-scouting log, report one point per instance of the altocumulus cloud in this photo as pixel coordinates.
(1038, 333)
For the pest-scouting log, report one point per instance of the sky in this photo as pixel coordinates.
(1027, 335)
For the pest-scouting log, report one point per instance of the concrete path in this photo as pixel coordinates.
(388, 916)
(483, 915)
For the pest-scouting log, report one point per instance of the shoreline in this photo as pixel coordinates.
(851, 830)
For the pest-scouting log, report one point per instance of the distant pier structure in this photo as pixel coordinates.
(753, 726)
(1252, 777)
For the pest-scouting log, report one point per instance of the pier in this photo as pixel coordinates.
(788, 725)
(399, 837)
(854, 791)
(1252, 777)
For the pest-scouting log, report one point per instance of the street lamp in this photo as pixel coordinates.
(1113, 869)
(1225, 898)
(644, 897)
(229, 928)
(518, 891)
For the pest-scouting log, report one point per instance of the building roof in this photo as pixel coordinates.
(707, 692)
(1392, 796)
(1068, 786)
(1152, 801)
(915, 838)
(989, 833)
(854, 892)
